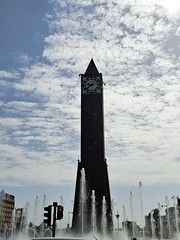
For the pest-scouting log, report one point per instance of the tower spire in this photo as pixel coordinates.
(91, 69)
(93, 161)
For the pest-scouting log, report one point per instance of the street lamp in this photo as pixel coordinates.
(117, 216)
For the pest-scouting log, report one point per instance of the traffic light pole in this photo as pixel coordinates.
(57, 215)
(54, 219)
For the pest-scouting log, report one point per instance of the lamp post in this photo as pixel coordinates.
(117, 216)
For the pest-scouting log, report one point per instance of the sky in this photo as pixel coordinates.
(44, 46)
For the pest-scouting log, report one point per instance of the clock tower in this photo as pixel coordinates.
(92, 204)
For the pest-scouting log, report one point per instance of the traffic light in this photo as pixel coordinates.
(60, 212)
(47, 214)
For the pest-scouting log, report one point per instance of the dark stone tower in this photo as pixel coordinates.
(92, 159)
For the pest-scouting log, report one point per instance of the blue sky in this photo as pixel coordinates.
(44, 46)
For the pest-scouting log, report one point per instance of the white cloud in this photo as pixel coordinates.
(9, 74)
(131, 45)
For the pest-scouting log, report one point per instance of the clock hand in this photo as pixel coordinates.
(89, 85)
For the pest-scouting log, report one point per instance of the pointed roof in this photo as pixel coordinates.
(91, 69)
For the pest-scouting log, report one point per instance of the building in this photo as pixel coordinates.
(164, 226)
(7, 204)
(92, 202)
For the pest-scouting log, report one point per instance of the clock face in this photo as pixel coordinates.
(91, 85)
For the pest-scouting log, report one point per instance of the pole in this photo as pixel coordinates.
(117, 216)
(54, 218)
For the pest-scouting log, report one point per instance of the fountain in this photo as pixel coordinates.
(104, 222)
(142, 207)
(93, 214)
(162, 222)
(83, 199)
(132, 212)
(168, 218)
